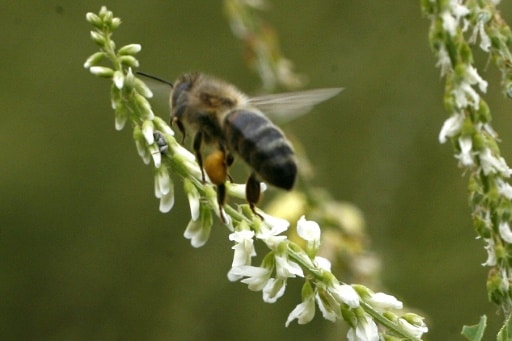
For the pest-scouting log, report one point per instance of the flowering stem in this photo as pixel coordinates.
(360, 307)
(455, 27)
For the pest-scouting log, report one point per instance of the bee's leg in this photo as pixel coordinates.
(197, 150)
(181, 128)
(228, 160)
(221, 199)
(252, 192)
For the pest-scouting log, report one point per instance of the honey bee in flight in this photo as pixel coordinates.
(221, 115)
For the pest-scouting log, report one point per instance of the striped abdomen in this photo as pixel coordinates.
(262, 145)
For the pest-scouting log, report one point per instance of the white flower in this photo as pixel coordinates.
(344, 293)
(142, 150)
(309, 231)
(164, 189)
(120, 117)
(449, 23)
(166, 202)
(286, 268)
(328, 312)
(443, 62)
(273, 290)
(198, 231)
(118, 79)
(491, 164)
(323, 263)
(485, 41)
(163, 182)
(417, 329)
(464, 94)
(270, 230)
(244, 247)
(489, 130)
(491, 255)
(505, 232)
(156, 154)
(384, 301)
(366, 329)
(193, 198)
(303, 312)
(474, 78)
(451, 127)
(148, 130)
(458, 9)
(257, 277)
(504, 189)
(466, 151)
(461, 94)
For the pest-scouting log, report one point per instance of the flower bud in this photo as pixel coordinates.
(129, 49)
(129, 61)
(94, 59)
(101, 71)
(94, 20)
(98, 38)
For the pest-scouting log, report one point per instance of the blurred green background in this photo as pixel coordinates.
(85, 253)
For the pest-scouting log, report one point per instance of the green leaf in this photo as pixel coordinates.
(475, 332)
(505, 332)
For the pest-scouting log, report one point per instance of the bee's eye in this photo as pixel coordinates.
(179, 89)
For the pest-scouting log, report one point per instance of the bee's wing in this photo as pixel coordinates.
(287, 106)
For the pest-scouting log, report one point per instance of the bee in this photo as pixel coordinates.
(220, 115)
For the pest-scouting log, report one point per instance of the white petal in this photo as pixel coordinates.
(273, 290)
(286, 268)
(244, 251)
(257, 277)
(328, 314)
(323, 263)
(308, 230)
(451, 127)
(365, 330)
(449, 23)
(416, 330)
(163, 182)
(197, 232)
(120, 120)
(491, 254)
(303, 312)
(148, 128)
(466, 151)
(491, 164)
(504, 189)
(505, 232)
(194, 204)
(118, 79)
(344, 293)
(167, 201)
(155, 153)
(474, 78)
(384, 301)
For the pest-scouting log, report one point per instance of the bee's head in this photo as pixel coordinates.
(178, 100)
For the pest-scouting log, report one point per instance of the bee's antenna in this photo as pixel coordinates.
(154, 78)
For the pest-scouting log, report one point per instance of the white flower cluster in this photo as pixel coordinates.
(464, 94)
(475, 139)
(284, 261)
